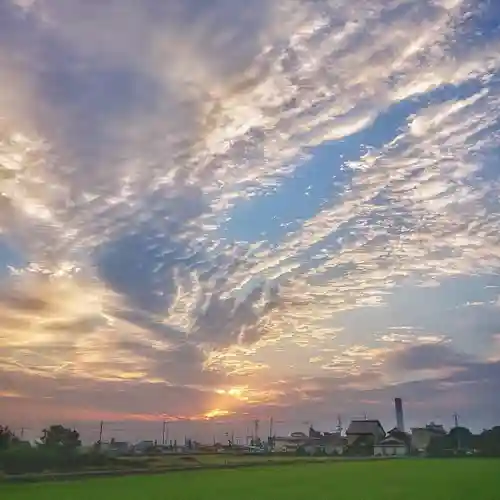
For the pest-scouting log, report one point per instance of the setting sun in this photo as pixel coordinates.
(216, 413)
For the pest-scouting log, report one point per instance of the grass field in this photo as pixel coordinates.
(372, 480)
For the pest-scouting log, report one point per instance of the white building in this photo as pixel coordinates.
(390, 447)
(331, 444)
(289, 444)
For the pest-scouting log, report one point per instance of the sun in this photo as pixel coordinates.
(216, 413)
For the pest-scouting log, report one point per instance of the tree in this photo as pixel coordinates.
(440, 446)
(488, 442)
(460, 438)
(57, 436)
(7, 437)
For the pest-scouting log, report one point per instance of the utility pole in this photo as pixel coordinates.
(459, 444)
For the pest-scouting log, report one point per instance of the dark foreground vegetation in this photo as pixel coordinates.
(58, 450)
(461, 441)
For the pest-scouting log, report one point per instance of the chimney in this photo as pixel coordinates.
(398, 403)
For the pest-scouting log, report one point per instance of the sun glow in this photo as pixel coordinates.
(216, 413)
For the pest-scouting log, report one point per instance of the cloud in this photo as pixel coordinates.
(137, 130)
(427, 356)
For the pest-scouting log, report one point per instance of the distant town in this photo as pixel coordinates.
(362, 438)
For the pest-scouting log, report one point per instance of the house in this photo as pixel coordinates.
(120, 447)
(115, 447)
(322, 443)
(289, 444)
(370, 430)
(328, 444)
(143, 447)
(334, 444)
(391, 447)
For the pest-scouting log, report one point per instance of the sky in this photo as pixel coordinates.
(217, 211)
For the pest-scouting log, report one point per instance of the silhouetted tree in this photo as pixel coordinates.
(488, 442)
(440, 446)
(7, 437)
(460, 438)
(58, 436)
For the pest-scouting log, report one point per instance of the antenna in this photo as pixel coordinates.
(339, 424)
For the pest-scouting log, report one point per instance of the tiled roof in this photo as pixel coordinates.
(390, 441)
(365, 427)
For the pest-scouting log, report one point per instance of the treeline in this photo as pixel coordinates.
(57, 450)
(461, 441)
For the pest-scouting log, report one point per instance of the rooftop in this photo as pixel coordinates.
(390, 441)
(365, 427)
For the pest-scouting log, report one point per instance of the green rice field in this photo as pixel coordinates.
(408, 479)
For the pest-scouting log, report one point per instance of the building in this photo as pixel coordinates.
(289, 444)
(370, 430)
(115, 447)
(333, 444)
(143, 447)
(396, 443)
(390, 447)
(421, 436)
(314, 444)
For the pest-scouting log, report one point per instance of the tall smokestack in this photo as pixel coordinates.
(398, 403)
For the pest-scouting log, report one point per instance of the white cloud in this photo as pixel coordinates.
(224, 107)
